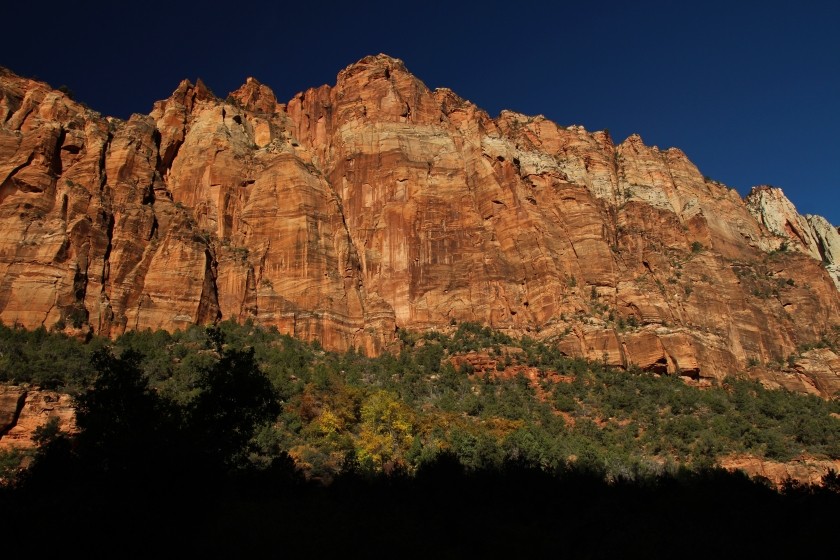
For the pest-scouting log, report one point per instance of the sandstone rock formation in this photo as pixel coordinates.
(23, 410)
(812, 235)
(378, 204)
(828, 245)
(805, 470)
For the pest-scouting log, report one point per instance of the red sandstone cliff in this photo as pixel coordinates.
(378, 204)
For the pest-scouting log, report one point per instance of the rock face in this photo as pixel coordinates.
(828, 244)
(377, 204)
(805, 470)
(812, 235)
(24, 410)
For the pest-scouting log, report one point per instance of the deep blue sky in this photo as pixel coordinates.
(749, 90)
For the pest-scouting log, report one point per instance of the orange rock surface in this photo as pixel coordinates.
(805, 470)
(378, 204)
(23, 410)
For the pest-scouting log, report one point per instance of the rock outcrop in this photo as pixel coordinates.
(828, 245)
(24, 409)
(377, 204)
(804, 470)
(812, 235)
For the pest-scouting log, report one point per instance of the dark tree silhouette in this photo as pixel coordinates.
(235, 399)
(121, 422)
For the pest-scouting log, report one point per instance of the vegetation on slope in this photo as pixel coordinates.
(217, 440)
(246, 397)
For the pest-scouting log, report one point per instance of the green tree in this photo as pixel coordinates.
(119, 418)
(234, 400)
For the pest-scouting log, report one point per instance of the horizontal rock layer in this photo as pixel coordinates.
(377, 204)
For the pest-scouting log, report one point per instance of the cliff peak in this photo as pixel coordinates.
(255, 96)
(381, 59)
(374, 66)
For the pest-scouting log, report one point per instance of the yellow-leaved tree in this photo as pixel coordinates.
(386, 432)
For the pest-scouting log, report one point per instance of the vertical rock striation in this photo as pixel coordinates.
(377, 204)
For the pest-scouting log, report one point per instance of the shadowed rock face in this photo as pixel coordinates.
(377, 205)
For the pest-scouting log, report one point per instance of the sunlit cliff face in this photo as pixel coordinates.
(376, 205)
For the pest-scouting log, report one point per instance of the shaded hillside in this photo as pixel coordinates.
(478, 395)
(444, 513)
(220, 440)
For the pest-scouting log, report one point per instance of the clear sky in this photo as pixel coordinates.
(749, 90)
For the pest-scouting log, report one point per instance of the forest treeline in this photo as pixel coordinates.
(237, 439)
(264, 396)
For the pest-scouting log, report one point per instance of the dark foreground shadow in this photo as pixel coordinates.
(442, 512)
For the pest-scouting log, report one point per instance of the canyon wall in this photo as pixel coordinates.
(376, 204)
